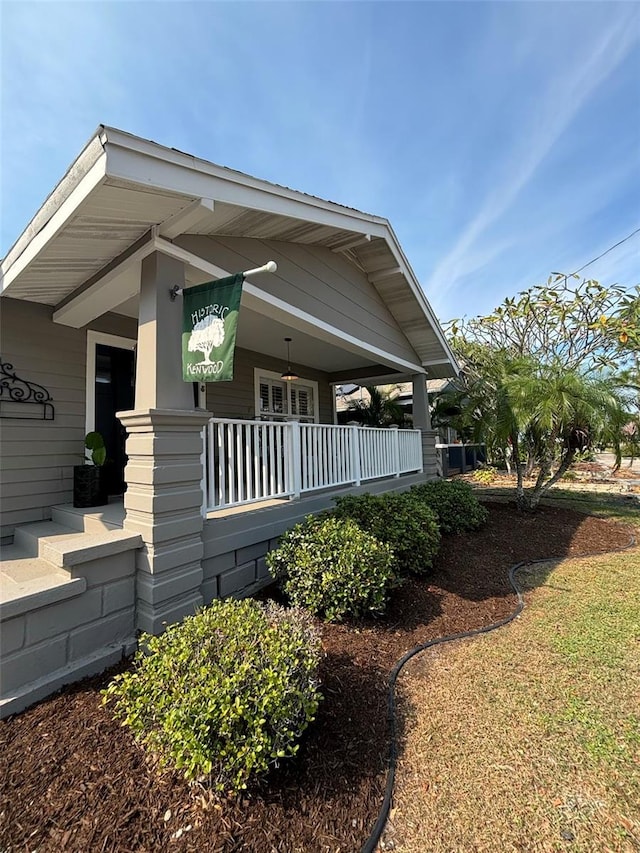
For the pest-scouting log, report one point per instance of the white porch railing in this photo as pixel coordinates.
(250, 461)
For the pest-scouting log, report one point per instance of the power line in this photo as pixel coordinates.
(633, 233)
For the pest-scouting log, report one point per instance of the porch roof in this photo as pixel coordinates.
(123, 193)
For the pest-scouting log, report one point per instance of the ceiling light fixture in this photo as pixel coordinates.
(289, 375)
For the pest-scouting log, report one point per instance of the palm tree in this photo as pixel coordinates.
(545, 412)
(562, 412)
(380, 410)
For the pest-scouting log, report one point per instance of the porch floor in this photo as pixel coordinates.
(309, 500)
(91, 519)
(226, 511)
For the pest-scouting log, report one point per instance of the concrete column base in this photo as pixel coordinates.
(163, 503)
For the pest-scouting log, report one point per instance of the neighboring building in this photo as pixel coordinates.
(211, 474)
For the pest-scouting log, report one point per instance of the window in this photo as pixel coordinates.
(277, 400)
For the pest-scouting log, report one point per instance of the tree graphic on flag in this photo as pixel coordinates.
(207, 335)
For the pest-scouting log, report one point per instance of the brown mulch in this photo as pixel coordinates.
(71, 779)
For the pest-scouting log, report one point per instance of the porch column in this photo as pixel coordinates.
(422, 421)
(163, 500)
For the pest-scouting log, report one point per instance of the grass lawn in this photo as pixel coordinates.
(528, 739)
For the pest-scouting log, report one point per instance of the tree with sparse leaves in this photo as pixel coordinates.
(583, 326)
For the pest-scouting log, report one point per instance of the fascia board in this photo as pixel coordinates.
(74, 174)
(145, 163)
(94, 177)
(420, 295)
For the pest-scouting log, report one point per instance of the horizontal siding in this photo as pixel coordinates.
(315, 280)
(237, 399)
(24, 476)
(27, 487)
(37, 457)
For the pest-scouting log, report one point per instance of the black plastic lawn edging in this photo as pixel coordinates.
(372, 842)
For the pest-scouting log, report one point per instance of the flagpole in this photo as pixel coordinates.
(270, 266)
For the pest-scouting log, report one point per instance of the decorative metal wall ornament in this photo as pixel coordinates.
(14, 392)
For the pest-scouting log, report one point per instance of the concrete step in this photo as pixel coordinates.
(27, 537)
(28, 582)
(65, 547)
(90, 519)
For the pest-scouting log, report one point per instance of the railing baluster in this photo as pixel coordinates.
(263, 455)
(222, 469)
(333, 454)
(326, 463)
(272, 460)
(295, 459)
(247, 471)
(231, 465)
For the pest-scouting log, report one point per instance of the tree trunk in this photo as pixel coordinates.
(542, 486)
(521, 497)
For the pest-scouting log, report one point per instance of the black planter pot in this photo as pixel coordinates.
(89, 486)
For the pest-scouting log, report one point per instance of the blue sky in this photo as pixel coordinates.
(502, 140)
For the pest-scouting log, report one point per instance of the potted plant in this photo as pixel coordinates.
(89, 483)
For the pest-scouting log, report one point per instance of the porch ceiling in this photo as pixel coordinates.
(122, 188)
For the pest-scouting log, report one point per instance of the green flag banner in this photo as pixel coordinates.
(209, 323)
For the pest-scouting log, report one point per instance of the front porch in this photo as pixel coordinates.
(214, 472)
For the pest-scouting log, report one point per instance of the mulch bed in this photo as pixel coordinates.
(71, 779)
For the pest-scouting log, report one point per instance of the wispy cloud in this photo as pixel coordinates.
(551, 114)
(501, 139)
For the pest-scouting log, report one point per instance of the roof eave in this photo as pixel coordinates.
(75, 173)
(119, 155)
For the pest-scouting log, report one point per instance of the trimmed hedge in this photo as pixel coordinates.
(454, 504)
(333, 568)
(401, 520)
(224, 694)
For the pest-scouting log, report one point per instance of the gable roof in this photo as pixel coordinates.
(122, 188)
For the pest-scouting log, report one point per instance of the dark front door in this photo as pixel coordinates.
(115, 374)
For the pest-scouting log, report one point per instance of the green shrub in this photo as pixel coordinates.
(456, 507)
(224, 694)
(404, 523)
(333, 568)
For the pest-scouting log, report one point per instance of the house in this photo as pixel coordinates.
(211, 474)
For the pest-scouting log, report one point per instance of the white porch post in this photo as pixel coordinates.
(422, 421)
(396, 450)
(164, 497)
